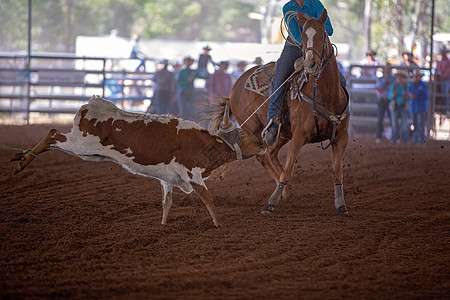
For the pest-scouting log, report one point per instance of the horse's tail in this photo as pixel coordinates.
(217, 110)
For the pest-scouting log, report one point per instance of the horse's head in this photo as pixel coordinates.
(314, 38)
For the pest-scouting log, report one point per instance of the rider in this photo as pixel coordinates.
(291, 52)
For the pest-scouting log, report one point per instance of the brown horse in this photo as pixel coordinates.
(311, 119)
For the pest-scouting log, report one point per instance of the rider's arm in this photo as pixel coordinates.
(318, 8)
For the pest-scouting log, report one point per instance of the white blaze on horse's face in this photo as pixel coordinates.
(310, 32)
(310, 64)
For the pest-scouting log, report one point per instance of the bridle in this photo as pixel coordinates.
(324, 60)
(336, 119)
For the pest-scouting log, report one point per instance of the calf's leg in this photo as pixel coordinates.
(26, 157)
(167, 200)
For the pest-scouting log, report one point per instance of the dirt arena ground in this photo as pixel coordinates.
(76, 229)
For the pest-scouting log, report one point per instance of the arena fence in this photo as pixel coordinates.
(59, 84)
(55, 84)
(363, 101)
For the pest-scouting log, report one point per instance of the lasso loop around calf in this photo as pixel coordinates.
(17, 149)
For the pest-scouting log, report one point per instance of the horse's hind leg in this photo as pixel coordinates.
(26, 157)
(337, 153)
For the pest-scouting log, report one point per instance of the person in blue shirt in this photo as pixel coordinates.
(291, 52)
(137, 54)
(418, 106)
(398, 96)
(382, 86)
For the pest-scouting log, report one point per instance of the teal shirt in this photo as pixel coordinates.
(400, 90)
(183, 80)
(313, 8)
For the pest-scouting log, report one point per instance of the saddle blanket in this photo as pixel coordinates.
(261, 79)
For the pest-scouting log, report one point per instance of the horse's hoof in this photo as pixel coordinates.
(342, 210)
(269, 208)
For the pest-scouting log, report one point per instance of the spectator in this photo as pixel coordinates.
(164, 88)
(382, 87)
(186, 89)
(220, 82)
(399, 95)
(370, 61)
(203, 60)
(258, 61)
(239, 71)
(418, 96)
(443, 76)
(137, 54)
(408, 62)
(176, 72)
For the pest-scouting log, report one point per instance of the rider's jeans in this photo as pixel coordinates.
(285, 67)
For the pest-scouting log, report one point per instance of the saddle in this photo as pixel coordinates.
(260, 81)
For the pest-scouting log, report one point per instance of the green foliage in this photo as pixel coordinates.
(56, 23)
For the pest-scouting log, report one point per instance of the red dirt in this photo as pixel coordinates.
(76, 229)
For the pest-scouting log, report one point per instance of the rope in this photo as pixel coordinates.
(17, 149)
(288, 18)
(267, 99)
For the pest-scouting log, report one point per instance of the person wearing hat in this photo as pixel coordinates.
(164, 88)
(186, 89)
(241, 66)
(203, 60)
(408, 62)
(258, 61)
(418, 96)
(176, 66)
(398, 96)
(383, 86)
(220, 82)
(372, 62)
(443, 76)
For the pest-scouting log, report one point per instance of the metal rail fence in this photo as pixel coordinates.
(55, 84)
(364, 101)
(60, 84)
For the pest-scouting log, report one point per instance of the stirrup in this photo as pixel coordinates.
(267, 127)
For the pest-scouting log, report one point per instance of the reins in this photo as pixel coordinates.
(290, 15)
(267, 99)
(336, 119)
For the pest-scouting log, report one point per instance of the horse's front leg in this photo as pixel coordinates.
(337, 153)
(295, 146)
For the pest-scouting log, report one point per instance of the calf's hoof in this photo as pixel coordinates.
(17, 156)
(269, 208)
(17, 169)
(342, 210)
